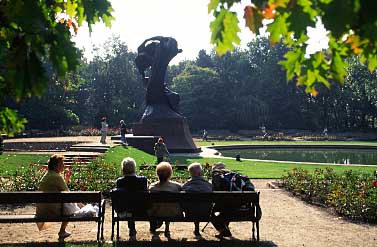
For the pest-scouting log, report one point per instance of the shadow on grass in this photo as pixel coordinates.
(204, 243)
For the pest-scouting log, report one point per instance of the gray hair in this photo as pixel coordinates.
(128, 165)
(218, 166)
(195, 169)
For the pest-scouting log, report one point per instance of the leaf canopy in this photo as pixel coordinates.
(351, 25)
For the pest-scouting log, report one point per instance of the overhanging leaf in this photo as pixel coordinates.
(253, 19)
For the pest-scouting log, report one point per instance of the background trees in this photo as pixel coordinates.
(35, 35)
(244, 89)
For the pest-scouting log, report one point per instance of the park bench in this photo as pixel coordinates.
(26, 197)
(120, 199)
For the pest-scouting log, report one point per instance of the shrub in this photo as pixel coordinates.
(351, 194)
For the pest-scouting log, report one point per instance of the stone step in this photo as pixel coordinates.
(99, 149)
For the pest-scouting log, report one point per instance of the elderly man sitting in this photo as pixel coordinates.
(130, 182)
(197, 183)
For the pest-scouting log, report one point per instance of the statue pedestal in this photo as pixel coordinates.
(175, 132)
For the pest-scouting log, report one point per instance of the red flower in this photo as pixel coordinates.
(374, 184)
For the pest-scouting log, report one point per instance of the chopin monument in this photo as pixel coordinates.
(161, 116)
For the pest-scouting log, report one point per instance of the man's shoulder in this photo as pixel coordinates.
(197, 185)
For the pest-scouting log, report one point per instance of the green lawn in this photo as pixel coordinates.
(10, 162)
(251, 168)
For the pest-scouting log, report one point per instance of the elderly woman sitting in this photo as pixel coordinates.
(164, 172)
(53, 181)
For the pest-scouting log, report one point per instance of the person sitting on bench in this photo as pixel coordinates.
(164, 172)
(53, 181)
(131, 182)
(197, 183)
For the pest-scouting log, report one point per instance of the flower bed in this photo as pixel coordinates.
(96, 175)
(351, 194)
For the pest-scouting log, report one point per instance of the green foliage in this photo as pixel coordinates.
(23, 179)
(351, 193)
(352, 26)
(97, 175)
(10, 122)
(112, 89)
(35, 33)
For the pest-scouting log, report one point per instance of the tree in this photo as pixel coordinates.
(351, 25)
(112, 87)
(33, 33)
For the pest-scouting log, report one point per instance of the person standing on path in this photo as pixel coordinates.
(104, 127)
(160, 150)
(123, 131)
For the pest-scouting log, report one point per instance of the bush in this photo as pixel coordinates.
(96, 175)
(351, 194)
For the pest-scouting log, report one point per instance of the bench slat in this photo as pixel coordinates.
(49, 197)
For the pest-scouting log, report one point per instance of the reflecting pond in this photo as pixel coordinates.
(337, 156)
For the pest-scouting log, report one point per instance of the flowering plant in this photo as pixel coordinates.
(351, 194)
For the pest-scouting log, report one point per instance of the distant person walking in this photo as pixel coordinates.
(205, 135)
(325, 131)
(123, 131)
(160, 150)
(104, 127)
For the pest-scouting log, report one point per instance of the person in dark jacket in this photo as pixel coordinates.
(130, 182)
(197, 183)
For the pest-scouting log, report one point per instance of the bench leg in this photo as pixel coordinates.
(112, 229)
(99, 228)
(253, 231)
(117, 230)
(103, 222)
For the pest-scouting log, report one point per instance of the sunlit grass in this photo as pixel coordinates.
(10, 162)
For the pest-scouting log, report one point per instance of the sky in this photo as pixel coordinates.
(136, 20)
(185, 20)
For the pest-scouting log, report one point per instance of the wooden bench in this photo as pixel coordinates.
(24, 197)
(121, 199)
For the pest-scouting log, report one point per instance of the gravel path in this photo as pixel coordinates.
(286, 221)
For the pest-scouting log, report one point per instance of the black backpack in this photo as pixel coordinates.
(225, 180)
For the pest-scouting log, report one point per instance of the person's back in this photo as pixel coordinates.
(165, 208)
(164, 172)
(130, 182)
(197, 184)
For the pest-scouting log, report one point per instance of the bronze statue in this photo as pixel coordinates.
(154, 54)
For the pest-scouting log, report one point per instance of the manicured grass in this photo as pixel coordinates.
(219, 142)
(10, 162)
(116, 154)
(261, 169)
(250, 168)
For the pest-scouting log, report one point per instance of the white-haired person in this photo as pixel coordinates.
(197, 183)
(130, 182)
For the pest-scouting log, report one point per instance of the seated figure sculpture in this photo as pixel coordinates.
(155, 54)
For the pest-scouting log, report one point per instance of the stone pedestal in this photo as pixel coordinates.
(175, 132)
